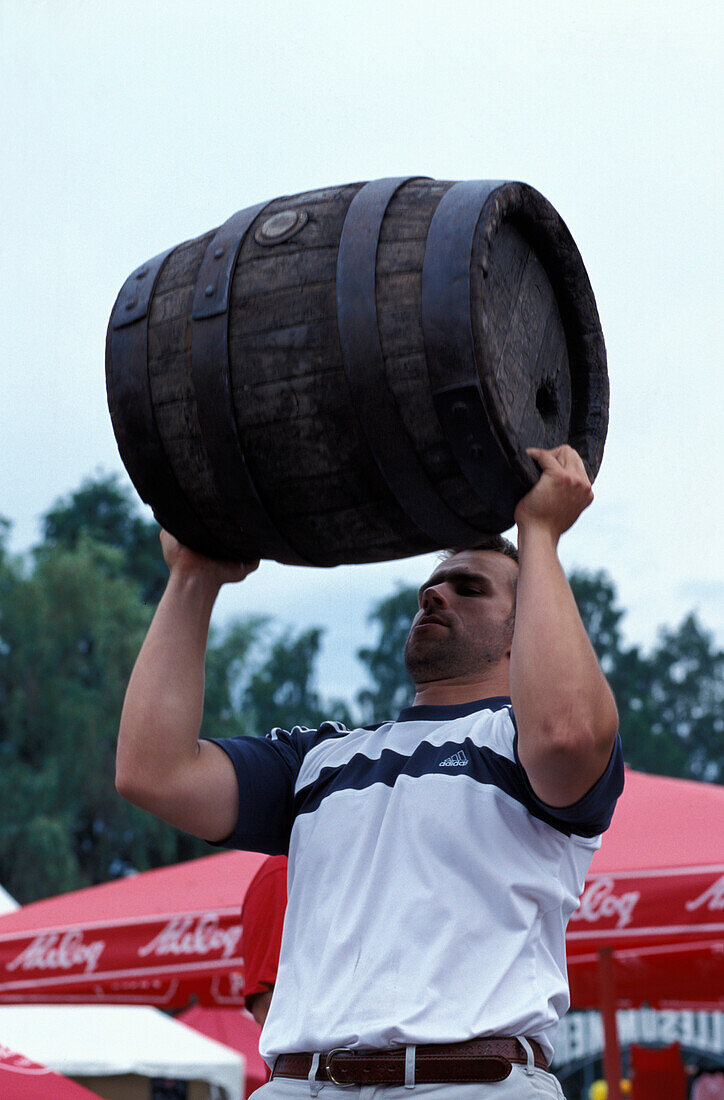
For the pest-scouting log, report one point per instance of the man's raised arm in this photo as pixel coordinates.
(564, 708)
(161, 765)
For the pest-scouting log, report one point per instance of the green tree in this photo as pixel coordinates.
(281, 692)
(391, 688)
(71, 627)
(258, 678)
(669, 701)
(687, 688)
(595, 596)
(230, 658)
(5, 527)
(106, 510)
(9, 575)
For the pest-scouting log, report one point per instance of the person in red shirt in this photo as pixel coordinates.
(262, 920)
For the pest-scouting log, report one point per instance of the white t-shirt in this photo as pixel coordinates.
(429, 889)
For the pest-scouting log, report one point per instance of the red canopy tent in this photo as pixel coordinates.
(23, 1079)
(650, 927)
(655, 897)
(160, 937)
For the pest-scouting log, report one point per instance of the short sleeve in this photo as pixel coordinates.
(266, 771)
(592, 814)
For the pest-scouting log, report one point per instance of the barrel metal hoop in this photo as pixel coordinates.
(135, 297)
(139, 440)
(364, 367)
(211, 372)
(450, 349)
(213, 282)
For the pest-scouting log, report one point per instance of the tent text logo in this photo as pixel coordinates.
(598, 902)
(713, 896)
(51, 951)
(194, 936)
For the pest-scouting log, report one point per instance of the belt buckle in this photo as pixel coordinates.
(328, 1067)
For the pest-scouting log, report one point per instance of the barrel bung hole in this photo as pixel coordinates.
(545, 401)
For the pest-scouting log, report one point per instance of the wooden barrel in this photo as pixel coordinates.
(353, 374)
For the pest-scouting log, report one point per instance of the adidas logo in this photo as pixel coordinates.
(457, 760)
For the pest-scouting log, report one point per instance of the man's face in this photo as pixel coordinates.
(465, 623)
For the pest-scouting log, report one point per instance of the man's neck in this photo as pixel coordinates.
(462, 690)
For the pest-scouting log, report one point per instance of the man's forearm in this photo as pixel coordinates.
(161, 765)
(164, 702)
(564, 707)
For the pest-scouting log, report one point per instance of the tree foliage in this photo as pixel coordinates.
(258, 677)
(102, 508)
(70, 630)
(391, 688)
(670, 701)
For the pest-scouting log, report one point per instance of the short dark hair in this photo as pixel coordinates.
(488, 542)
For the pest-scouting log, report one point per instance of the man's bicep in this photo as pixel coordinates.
(203, 797)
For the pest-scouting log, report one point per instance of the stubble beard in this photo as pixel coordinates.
(451, 655)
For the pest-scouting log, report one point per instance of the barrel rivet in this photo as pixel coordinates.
(210, 290)
(218, 253)
(142, 273)
(131, 303)
(459, 408)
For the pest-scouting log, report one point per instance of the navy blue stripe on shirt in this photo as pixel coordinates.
(481, 764)
(448, 712)
(267, 769)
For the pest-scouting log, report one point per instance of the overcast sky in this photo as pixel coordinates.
(128, 128)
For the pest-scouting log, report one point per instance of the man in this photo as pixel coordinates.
(433, 861)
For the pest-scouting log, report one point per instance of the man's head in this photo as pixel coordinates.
(464, 627)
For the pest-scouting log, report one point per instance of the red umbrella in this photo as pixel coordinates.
(160, 937)
(235, 1028)
(23, 1079)
(650, 927)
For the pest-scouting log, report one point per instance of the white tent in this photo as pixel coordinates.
(8, 904)
(109, 1040)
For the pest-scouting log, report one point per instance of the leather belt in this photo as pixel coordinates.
(475, 1060)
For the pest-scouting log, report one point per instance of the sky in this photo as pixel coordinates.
(128, 128)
